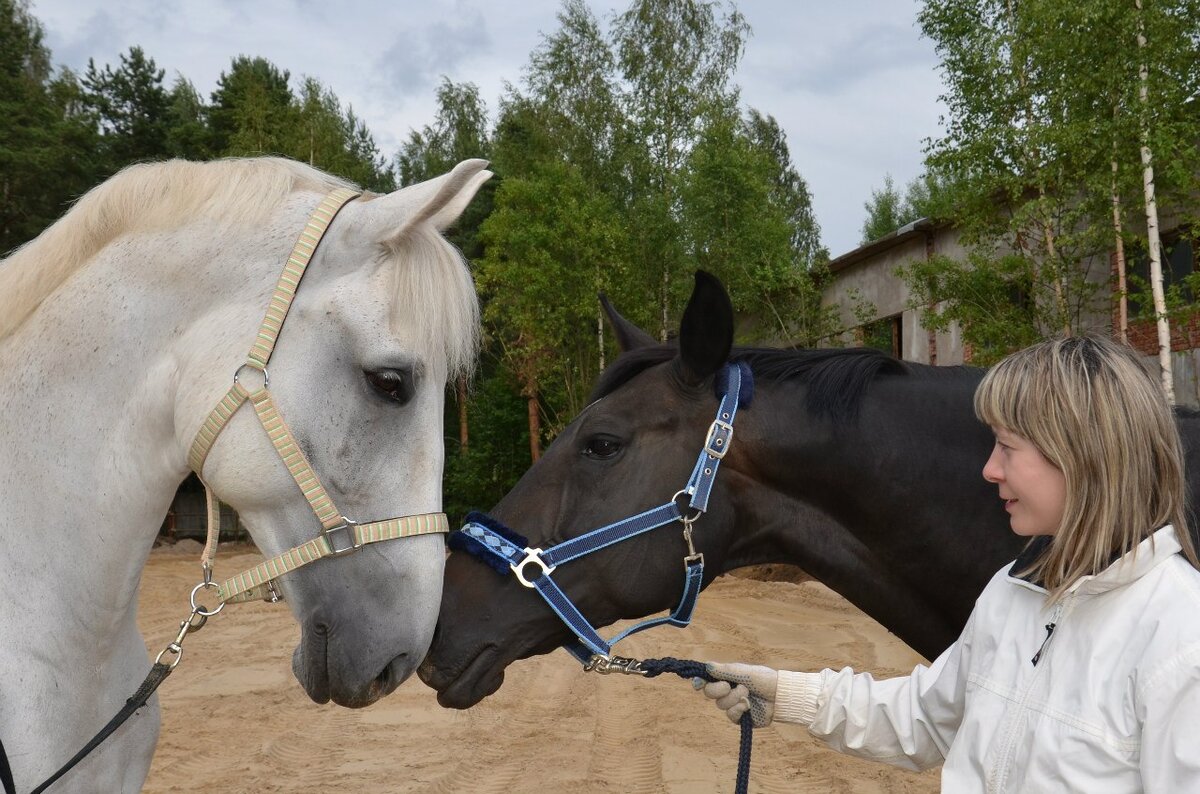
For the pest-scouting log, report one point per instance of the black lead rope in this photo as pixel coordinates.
(157, 675)
(6, 777)
(689, 669)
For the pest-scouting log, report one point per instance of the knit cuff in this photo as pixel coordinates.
(796, 697)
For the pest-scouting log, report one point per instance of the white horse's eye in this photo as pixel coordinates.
(397, 385)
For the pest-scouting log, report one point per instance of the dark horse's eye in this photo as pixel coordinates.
(602, 447)
(396, 385)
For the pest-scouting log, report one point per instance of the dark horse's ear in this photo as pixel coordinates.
(629, 336)
(706, 331)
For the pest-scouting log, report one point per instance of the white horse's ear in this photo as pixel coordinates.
(438, 201)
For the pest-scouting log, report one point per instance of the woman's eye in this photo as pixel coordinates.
(602, 447)
(396, 385)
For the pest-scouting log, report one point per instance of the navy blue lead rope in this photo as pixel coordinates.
(689, 669)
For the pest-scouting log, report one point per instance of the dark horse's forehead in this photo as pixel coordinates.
(836, 378)
(628, 366)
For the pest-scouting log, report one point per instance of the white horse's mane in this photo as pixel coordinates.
(438, 300)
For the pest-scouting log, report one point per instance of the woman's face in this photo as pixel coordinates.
(1033, 490)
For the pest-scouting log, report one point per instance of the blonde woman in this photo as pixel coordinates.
(1079, 668)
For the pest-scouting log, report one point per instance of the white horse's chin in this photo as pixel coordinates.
(313, 674)
(366, 620)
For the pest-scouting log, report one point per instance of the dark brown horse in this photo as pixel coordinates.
(861, 469)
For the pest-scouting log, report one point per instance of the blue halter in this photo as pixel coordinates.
(503, 549)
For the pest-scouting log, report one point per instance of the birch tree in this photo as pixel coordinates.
(1054, 108)
(677, 59)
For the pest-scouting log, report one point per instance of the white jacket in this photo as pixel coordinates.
(1112, 705)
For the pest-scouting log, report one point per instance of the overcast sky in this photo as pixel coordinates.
(852, 83)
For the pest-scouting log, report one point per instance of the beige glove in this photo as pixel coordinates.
(742, 687)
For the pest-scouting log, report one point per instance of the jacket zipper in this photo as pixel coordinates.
(998, 776)
(1049, 632)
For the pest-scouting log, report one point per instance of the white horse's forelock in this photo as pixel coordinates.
(147, 197)
(434, 301)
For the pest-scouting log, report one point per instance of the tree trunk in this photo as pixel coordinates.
(599, 325)
(666, 287)
(464, 437)
(1152, 238)
(1119, 255)
(600, 338)
(1060, 293)
(535, 426)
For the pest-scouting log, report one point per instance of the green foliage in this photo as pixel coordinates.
(459, 132)
(885, 212)
(1045, 131)
(677, 58)
(188, 135)
(990, 299)
(547, 242)
(890, 208)
(47, 144)
(253, 111)
(740, 206)
(337, 141)
(498, 453)
(131, 109)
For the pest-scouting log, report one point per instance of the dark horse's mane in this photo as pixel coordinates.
(836, 378)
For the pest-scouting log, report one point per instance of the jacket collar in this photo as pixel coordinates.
(1152, 551)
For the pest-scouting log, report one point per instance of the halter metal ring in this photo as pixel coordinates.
(531, 556)
(266, 375)
(683, 517)
(201, 610)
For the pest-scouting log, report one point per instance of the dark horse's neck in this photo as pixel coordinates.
(871, 481)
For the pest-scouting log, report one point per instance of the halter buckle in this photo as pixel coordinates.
(531, 556)
(348, 526)
(716, 442)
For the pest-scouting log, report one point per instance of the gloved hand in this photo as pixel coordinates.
(742, 687)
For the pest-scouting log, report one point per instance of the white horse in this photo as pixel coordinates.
(121, 326)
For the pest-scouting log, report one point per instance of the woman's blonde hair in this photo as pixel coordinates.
(1089, 407)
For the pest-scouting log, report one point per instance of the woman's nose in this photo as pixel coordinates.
(992, 472)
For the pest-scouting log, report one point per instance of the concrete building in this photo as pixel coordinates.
(865, 279)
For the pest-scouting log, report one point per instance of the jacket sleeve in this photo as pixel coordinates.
(1170, 761)
(908, 721)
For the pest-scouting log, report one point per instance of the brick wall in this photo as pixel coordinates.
(1143, 335)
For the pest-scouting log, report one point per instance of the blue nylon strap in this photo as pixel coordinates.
(699, 488)
(612, 533)
(575, 621)
(681, 616)
(704, 474)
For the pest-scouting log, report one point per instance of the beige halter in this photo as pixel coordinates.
(258, 582)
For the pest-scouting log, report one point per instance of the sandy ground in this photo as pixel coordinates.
(235, 720)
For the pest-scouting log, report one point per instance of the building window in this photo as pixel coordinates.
(1178, 260)
(885, 334)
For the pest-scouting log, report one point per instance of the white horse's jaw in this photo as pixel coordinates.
(362, 643)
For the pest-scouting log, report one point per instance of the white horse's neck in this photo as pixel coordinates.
(93, 375)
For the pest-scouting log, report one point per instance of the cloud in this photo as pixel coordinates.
(416, 58)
